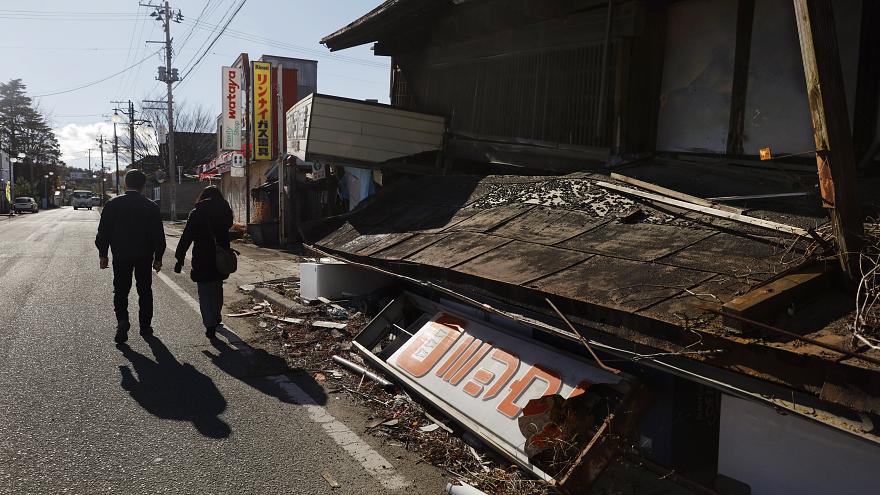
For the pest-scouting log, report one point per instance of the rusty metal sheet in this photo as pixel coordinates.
(618, 283)
(456, 248)
(549, 226)
(641, 241)
(731, 255)
(490, 218)
(521, 262)
(408, 247)
(407, 218)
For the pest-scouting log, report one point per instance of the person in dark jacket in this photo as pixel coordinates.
(208, 226)
(131, 228)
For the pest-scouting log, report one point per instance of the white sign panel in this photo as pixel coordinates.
(237, 166)
(5, 167)
(489, 375)
(232, 110)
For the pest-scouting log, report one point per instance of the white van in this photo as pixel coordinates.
(81, 199)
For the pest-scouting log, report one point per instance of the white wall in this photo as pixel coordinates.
(697, 76)
(775, 453)
(777, 113)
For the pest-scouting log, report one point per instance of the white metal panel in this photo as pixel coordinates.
(488, 375)
(359, 131)
(776, 453)
(697, 76)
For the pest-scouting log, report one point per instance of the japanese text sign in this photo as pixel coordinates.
(231, 105)
(262, 111)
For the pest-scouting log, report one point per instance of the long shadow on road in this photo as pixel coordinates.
(172, 390)
(256, 367)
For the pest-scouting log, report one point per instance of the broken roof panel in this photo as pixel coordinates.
(520, 262)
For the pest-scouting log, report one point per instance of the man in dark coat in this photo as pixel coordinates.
(131, 227)
(207, 227)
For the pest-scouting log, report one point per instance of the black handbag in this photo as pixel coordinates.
(227, 259)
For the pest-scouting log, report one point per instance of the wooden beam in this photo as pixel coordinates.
(757, 222)
(745, 16)
(673, 193)
(831, 129)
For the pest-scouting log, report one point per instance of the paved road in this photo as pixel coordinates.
(173, 415)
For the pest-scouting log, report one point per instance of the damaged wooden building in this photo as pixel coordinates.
(688, 183)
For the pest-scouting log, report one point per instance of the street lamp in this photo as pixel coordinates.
(46, 191)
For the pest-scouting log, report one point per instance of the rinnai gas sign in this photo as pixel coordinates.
(489, 375)
(262, 111)
(233, 111)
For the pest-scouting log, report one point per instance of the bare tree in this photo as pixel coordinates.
(195, 137)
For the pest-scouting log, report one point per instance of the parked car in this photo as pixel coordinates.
(81, 199)
(96, 201)
(26, 204)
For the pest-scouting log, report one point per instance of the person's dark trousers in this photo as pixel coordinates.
(211, 302)
(122, 271)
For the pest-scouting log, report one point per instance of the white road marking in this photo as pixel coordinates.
(369, 459)
(366, 456)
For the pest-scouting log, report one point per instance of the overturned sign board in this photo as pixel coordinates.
(480, 374)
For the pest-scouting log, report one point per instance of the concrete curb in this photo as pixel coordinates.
(275, 298)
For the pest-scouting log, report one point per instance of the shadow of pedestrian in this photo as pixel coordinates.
(256, 368)
(168, 389)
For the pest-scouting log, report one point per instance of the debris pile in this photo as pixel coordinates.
(866, 321)
(316, 337)
(577, 194)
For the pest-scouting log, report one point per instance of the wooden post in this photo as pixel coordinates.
(745, 15)
(834, 148)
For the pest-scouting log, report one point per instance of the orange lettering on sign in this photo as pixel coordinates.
(481, 378)
(463, 344)
(427, 349)
(580, 389)
(471, 349)
(508, 406)
(512, 366)
(468, 366)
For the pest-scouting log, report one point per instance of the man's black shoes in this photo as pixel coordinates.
(211, 333)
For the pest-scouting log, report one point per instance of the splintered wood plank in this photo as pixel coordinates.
(520, 262)
(547, 225)
(618, 283)
(456, 248)
(641, 241)
(773, 298)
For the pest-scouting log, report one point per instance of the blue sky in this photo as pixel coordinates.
(55, 45)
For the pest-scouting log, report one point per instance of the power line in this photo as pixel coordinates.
(111, 76)
(214, 29)
(202, 57)
(232, 33)
(192, 29)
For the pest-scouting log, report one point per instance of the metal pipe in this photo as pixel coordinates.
(362, 371)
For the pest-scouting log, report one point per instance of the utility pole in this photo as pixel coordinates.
(132, 122)
(169, 76)
(101, 177)
(116, 151)
(835, 157)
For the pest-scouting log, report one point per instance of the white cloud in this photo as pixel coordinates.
(76, 139)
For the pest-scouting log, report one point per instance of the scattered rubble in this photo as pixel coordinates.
(396, 418)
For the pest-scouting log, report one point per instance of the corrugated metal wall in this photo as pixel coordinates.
(550, 96)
